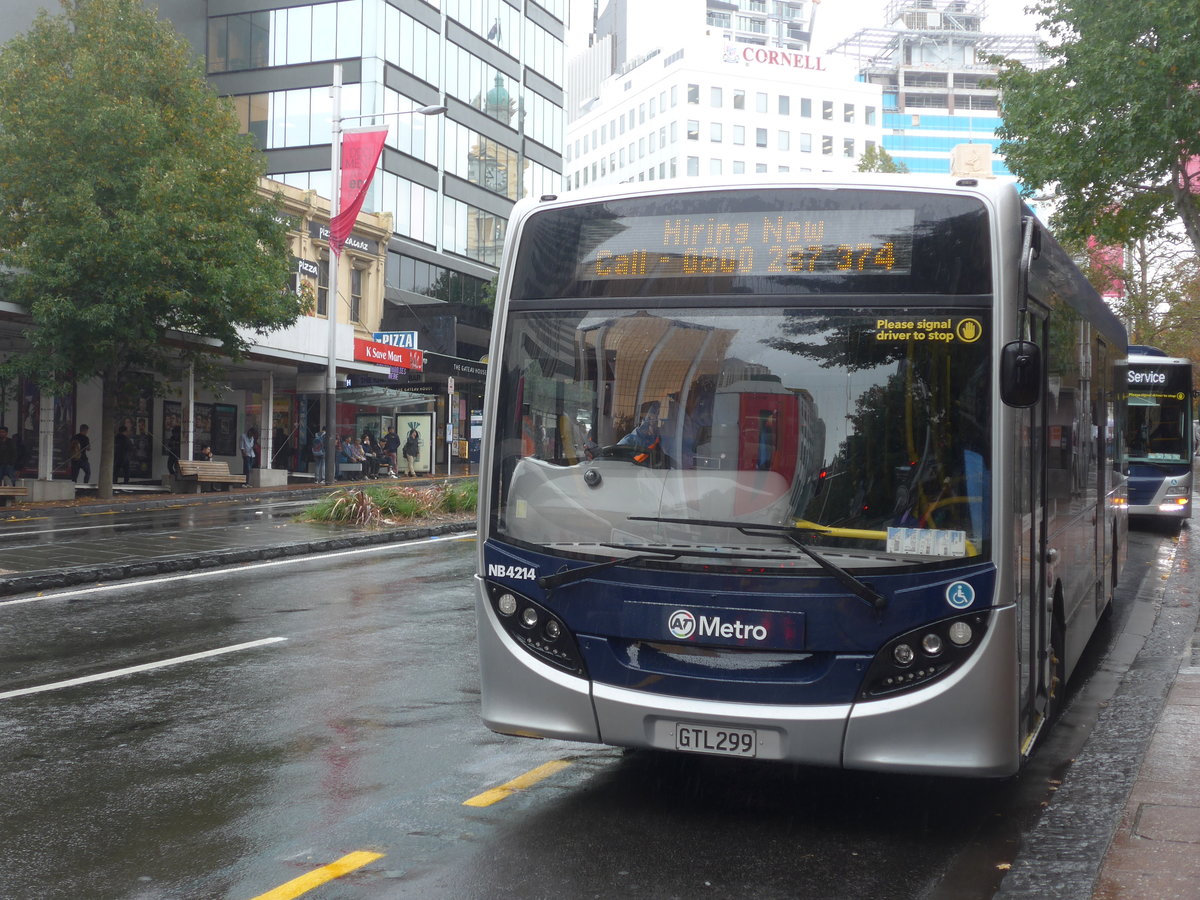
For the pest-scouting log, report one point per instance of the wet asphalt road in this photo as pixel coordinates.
(230, 774)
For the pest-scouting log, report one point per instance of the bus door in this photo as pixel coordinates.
(1036, 670)
(1100, 476)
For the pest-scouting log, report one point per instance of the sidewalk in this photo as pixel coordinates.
(46, 546)
(1125, 824)
(1155, 852)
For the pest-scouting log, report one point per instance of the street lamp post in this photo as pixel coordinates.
(331, 302)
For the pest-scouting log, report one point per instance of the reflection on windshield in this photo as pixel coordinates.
(1156, 428)
(866, 432)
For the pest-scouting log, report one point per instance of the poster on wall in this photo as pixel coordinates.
(224, 429)
(202, 434)
(136, 413)
(369, 423)
(422, 424)
(29, 407)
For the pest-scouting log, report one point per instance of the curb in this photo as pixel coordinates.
(71, 577)
(134, 503)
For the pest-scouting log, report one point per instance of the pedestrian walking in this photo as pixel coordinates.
(122, 450)
(317, 447)
(8, 457)
(78, 452)
(411, 452)
(249, 441)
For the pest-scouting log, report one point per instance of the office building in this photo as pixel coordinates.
(733, 92)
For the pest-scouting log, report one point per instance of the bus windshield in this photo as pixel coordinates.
(863, 433)
(1157, 426)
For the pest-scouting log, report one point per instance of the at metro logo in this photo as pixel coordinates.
(712, 626)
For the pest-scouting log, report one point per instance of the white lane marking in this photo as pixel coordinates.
(110, 525)
(240, 567)
(144, 667)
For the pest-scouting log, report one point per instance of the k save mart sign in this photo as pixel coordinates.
(387, 355)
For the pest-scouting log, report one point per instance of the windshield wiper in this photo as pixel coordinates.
(550, 582)
(855, 585)
(644, 554)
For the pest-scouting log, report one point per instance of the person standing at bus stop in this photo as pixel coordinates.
(8, 457)
(78, 451)
(317, 448)
(391, 447)
(411, 450)
(249, 439)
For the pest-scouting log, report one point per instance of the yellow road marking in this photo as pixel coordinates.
(529, 779)
(318, 877)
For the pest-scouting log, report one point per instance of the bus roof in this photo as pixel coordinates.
(1154, 359)
(991, 187)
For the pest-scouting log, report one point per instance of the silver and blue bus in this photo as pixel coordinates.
(1159, 434)
(828, 472)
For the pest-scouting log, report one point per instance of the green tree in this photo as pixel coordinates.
(1111, 124)
(876, 159)
(129, 206)
(1159, 288)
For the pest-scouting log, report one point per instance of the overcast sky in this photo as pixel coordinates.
(835, 19)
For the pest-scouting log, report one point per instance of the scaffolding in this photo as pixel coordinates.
(922, 32)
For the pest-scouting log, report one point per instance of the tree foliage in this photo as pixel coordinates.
(876, 159)
(1158, 291)
(1112, 125)
(129, 203)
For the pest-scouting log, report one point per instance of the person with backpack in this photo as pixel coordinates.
(317, 447)
(78, 451)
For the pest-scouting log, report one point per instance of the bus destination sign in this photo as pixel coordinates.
(744, 244)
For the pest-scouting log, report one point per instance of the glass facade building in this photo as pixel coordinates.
(449, 181)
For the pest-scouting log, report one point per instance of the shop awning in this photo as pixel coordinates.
(381, 396)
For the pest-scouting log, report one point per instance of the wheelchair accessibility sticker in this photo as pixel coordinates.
(960, 595)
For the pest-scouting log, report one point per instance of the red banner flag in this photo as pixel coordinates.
(360, 154)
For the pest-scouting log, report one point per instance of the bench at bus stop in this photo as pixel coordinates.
(7, 492)
(194, 474)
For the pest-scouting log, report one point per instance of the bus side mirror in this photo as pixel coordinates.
(1020, 373)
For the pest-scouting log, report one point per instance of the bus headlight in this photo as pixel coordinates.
(960, 633)
(919, 657)
(521, 617)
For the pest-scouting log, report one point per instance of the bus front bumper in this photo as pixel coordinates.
(965, 725)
